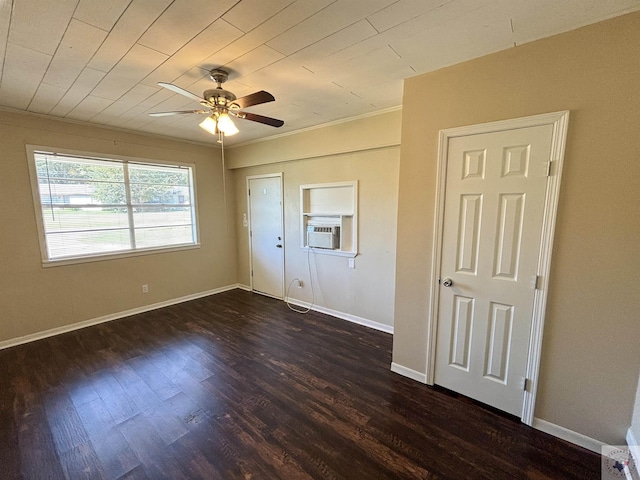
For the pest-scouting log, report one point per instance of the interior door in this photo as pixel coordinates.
(493, 217)
(265, 234)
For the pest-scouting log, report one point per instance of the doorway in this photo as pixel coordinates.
(266, 237)
(496, 206)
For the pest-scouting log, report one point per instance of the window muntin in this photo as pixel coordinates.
(96, 206)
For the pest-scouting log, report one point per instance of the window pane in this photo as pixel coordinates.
(159, 185)
(71, 244)
(157, 226)
(145, 216)
(87, 218)
(79, 182)
(158, 175)
(59, 168)
(95, 206)
(157, 236)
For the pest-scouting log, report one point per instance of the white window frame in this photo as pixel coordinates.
(93, 257)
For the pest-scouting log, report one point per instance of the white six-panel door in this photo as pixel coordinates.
(493, 219)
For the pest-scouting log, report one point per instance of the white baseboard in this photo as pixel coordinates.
(409, 373)
(568, 435)
(107, 318)
(633, 442)
(244, 287)
(344, 316)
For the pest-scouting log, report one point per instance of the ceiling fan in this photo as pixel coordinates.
(220, 104)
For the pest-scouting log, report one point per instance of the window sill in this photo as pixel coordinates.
(116, 256)
(328, 251)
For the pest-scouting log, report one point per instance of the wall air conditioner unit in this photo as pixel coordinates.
(323, 236)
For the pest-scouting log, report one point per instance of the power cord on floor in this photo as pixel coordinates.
(313, 293)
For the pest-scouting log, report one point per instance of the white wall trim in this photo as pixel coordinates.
(408, 372)
(344, 316)
(568, 435)
(559, 121)
(114, 316)
(634, 446)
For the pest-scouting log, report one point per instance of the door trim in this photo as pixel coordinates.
(559, 121)
(284, 244)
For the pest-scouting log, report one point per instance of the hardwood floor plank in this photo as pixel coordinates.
(64, 422)
(142, 396)
(192, 459)
(162, 386)
(114, 397)
(182, 360)
(9, 450)
(115, 455)
(137, 473)
(38, 455)
(145, 443)
(81, 462)
(237, 386)
(167, 425)
(95, 418)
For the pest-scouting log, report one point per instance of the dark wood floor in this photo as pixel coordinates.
(238, 386)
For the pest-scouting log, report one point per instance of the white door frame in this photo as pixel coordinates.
(559, 121)
(255, 177)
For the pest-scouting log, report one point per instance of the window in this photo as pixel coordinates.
(91, 207)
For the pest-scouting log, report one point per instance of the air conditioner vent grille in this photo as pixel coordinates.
(323, 236)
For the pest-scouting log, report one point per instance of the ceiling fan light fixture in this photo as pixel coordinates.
(226, 125)
(209, 124)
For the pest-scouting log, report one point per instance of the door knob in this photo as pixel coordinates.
(447, 282)
(279, 246)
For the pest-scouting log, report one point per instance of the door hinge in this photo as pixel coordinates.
(535, 282)
(252, 273)
(525, 384)
(249, 192)
(549, 166)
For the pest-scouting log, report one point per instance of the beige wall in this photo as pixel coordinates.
(342, 152)
(35, 299)
(591, 336)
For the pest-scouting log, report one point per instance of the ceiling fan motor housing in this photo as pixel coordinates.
(219, 96)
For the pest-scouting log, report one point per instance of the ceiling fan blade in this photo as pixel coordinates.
(254, 99)
(181, 91)
(177, 112)
(274, 122)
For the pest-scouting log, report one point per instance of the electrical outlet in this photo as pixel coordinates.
(145, 288)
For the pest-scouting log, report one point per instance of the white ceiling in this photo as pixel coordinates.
(99, 60)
